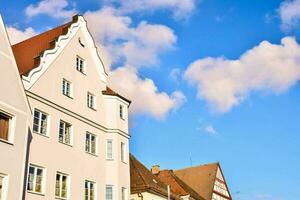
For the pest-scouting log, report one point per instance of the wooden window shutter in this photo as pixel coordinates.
(4, 126)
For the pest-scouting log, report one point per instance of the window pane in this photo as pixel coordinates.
(61, 131)
(109, 149)
(39, 179)
(57, 185)
(109, 193)
(87, 142)
(30, 178)
(4, 126)
(64, 187)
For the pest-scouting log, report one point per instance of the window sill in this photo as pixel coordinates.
(62, 198)
(70, 97)
(94, 109)
(66, 144)
(46, 136)
(6, 141)
(37, 193)
(109, 159)
(91, 154)
(124, 162)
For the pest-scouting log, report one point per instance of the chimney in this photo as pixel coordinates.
(155, 169)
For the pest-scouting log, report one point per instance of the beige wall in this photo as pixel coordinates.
(13, 103)
(47, 152)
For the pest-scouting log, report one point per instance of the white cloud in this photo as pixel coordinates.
(144, 93)
(127, 48)
(175, 74)
(16, 35)
(136, 46)
(225, 83)
(181, 9)
(58, 9)
(210, 129)
(289, 12)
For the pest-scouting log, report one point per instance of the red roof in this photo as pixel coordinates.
(27, 53)
(110, 92)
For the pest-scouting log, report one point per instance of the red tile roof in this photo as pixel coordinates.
(110, 92)
(142, 180)
(27, 53)
(177, 185)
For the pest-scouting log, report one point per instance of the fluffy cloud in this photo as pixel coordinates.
(127, 48)
(137, 46)
(16, 35)
(289, 12)
(181, 9)
(225, 83)
(57, 9)
(145, 95)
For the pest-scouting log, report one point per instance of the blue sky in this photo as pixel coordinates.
(241, 111)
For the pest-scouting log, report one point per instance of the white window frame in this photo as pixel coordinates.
(4, 189)
(89, 150)
(83, 69)
(89, 189)
(64, 133)
(36, 167)
(112, 192)
(60, 185)
(11, 127)
(91, 100)
(39, 125)
(123, 152)
(124, 193)
(68, 92)
(112, 149)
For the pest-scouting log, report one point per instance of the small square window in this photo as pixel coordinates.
(66, 88)
(91, 100)
(40, 122)
(62, 185)
(80, 65)
(65, 132)
(90, 143)
(4, 126)
(89, 190)
(35, 179)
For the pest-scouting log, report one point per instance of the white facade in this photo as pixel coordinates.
(14, 124)
(79, 147)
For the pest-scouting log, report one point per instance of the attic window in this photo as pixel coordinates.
(80, 65)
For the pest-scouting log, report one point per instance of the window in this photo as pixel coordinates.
(109, 149)
(2, 186)
(121, 112)
(109, 192)
(90, 143)
(89, 190)
(80, 65)
(123, 152)
(91, 100)
(66, 88)
(35, 179)
(40, 122)
(124, 193)
(61, 185)
(4, 126)
(65, 132)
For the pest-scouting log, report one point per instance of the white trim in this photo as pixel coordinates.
(4, 186)
(51, 54)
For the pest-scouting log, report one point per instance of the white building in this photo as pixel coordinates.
(14, 112)
(79, 147)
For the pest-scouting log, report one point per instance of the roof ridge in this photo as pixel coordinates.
(196, 166)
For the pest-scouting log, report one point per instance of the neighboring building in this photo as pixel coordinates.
(79, 147)
(207, 180)
(14, 123)
(177, 186)
(145, 185)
